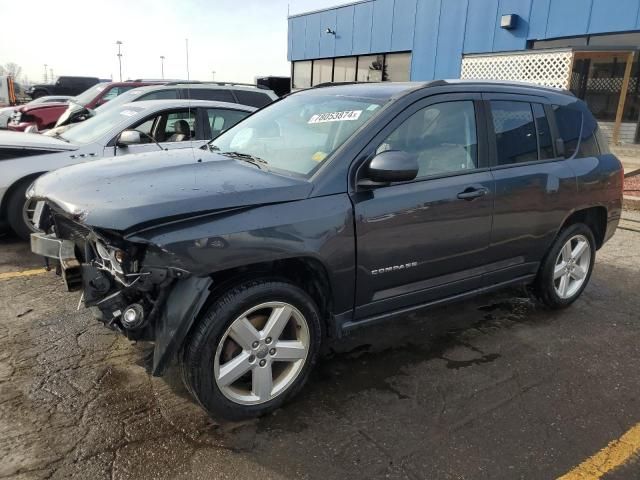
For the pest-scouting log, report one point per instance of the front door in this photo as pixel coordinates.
(170, 130)
(424, 240)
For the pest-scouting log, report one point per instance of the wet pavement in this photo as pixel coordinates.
(495, 388)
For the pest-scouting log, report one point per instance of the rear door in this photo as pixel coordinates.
(426, 239)
(533, 183)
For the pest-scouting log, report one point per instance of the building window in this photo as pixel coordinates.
(322, 71)
(344, 69)
(397, 67)
(302, 74)
(390, 67)
(370, 68)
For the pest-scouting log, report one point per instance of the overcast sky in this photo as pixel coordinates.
(239, 39)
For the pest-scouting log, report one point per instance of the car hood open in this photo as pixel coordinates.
(141, 190)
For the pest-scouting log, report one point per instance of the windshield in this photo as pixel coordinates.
(92, 129)
(298, 133)
(88, 95)
(125, 97)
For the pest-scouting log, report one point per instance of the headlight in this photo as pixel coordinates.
(113, 256)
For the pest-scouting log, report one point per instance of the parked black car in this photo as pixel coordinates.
(332, 209)
(64, 85)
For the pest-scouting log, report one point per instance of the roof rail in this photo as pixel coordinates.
(332, 84)
(221, 84)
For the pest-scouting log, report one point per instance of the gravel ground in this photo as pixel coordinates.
(495, 388)
(632, 186)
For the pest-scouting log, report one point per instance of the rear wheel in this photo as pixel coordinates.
(253, 349)
(566, 270)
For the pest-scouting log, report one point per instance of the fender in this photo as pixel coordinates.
(182, 308)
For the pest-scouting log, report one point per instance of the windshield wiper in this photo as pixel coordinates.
(257, 161)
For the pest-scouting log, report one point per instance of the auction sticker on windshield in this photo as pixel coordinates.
(335, 116)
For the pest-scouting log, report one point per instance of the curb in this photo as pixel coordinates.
(631, 203)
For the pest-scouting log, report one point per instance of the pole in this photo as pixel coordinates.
(119, 43)
(622, 99)
(186, 44)
(45, 73)
(162, 65)
(213, 75)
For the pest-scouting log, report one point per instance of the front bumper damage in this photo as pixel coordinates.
(149, 303)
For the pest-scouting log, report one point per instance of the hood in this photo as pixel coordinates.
(43, 106)
(150, 188)
(36, 141)
(74, 113)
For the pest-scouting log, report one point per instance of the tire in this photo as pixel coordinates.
(560, 280)
(215, 344)
(16, 204)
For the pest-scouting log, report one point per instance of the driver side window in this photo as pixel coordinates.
(442, 136)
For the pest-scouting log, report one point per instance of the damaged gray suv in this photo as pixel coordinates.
(331, 209)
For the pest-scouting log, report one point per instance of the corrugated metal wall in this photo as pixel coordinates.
(438, 32)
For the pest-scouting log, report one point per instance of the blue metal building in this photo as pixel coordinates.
(397, 40)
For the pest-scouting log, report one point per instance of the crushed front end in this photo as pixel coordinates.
(124, 283)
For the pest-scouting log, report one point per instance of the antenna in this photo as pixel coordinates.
(186, 44)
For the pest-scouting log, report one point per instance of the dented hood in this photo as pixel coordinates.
(145, 189)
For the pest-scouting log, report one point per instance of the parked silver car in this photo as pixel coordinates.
(131, 128)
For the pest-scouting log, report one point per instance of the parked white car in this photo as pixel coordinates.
(131, 128)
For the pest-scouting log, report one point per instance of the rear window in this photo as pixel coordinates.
(515, 132)
(209, 94)
(160, 95)
(253, 99)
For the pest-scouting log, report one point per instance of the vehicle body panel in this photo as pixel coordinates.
(43, 116)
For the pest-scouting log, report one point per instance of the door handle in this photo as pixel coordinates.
(470, 193)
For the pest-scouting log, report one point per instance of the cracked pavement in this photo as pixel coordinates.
(494, 388)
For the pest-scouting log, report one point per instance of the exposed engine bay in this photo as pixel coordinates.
(123, 294)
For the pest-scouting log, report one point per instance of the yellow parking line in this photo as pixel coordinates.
(24, 273)
(610, 457)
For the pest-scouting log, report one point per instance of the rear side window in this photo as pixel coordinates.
(160, 95)
(569, 123)
(515, 132)
(253, 99)
(217, 95)
(588, 143)
(578, 131)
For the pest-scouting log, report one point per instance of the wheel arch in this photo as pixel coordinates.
(595, 217)
(191, 297)
(13, 187)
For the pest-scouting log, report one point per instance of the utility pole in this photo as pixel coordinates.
(213, 75)
(51, 74)
(162, 65)
(45, 73)
(119, 43)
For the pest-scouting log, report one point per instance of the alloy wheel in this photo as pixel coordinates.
(28, 211)
(262, 353)
(572, 266)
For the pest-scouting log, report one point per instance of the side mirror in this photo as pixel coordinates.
(392, 166)
(129, 137)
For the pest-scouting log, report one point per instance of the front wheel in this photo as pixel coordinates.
(566, 270)
(253, 349)
(20, 211)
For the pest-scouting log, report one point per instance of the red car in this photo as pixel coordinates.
(45, 116)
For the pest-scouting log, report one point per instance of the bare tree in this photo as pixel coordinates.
(12, 69)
